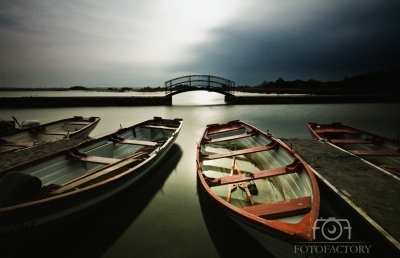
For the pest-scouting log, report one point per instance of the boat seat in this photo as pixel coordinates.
(294, 167)
(374, 152)
(281, 209)
(53, 133)
(373, 140)
(334, 130)
(117, 139)
(170, 127)
(137, 142)
(212, 131)
(392, 169)
(228, 138)
(350, 141)
(75, 154)
(108, 172)
(78, 123)
(272, 145)
(99, 160)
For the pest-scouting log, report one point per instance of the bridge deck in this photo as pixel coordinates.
(199, 82)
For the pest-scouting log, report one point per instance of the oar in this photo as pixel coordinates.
(243, 186)
(16, 121)
(231, 187)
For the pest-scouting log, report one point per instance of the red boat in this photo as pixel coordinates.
(261, 183)
(378, 150)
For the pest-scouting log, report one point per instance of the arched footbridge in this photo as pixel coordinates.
(199, 82)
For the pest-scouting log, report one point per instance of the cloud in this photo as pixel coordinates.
(325, 42)
(140, 43)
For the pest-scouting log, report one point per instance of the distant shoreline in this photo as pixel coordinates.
(40, 102)
(381, 82)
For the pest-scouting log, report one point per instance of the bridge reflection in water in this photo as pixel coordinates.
(199, 82)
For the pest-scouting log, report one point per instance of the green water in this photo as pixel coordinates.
(163, 216)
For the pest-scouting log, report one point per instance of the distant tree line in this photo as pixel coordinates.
(150, 89)
(78, 88)
(108, 89)
(369, 83)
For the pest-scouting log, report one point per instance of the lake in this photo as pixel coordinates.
(164, 216)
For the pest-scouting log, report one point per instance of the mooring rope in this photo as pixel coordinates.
(342, 157)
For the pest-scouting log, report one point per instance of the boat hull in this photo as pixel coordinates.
(26, 223)
(274, 214)
(71, 128)
(377, 150)
(274, 243)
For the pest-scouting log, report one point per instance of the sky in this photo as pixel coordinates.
(132, 43)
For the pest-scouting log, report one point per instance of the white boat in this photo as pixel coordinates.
(32, 132)
(261, 183)
(39, 197)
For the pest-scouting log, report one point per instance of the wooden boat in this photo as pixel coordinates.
(41, 196)
(378, 150)
(28, 136)
(261, 183)
(6, 126)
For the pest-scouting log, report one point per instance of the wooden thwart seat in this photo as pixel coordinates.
(281, 209)
(228, 138)
(75, 154)
(99, 160)
(296, 166)
(116, 138)
(78, 123)
(334, 130)
(52, 133)
(214, 131)
(374, 152)
(137, 142)
(96, 174)
(392, 169)
(351, 141)
(165, 127)
(271, 145)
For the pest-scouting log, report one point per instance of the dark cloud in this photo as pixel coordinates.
(328, 45)
(140, 43)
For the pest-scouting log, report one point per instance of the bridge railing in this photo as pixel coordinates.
(202, 81)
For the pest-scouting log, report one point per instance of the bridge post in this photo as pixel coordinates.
(230, 99)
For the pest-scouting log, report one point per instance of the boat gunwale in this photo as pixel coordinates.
(301, 231)
(372, 135)
(15, 146)
(376, 139)
(61, 121)
(162, 148)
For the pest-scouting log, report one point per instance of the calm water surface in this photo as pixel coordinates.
(163, 216)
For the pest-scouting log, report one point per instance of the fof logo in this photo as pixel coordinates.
(335, 235)
(332, 228)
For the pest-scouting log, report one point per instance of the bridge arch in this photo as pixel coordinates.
(199, 82)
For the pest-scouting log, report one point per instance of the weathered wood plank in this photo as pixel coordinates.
(281, 209)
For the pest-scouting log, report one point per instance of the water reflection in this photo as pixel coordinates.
(196, 98)
(169, 219)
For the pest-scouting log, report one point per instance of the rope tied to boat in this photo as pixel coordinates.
(345, 157)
